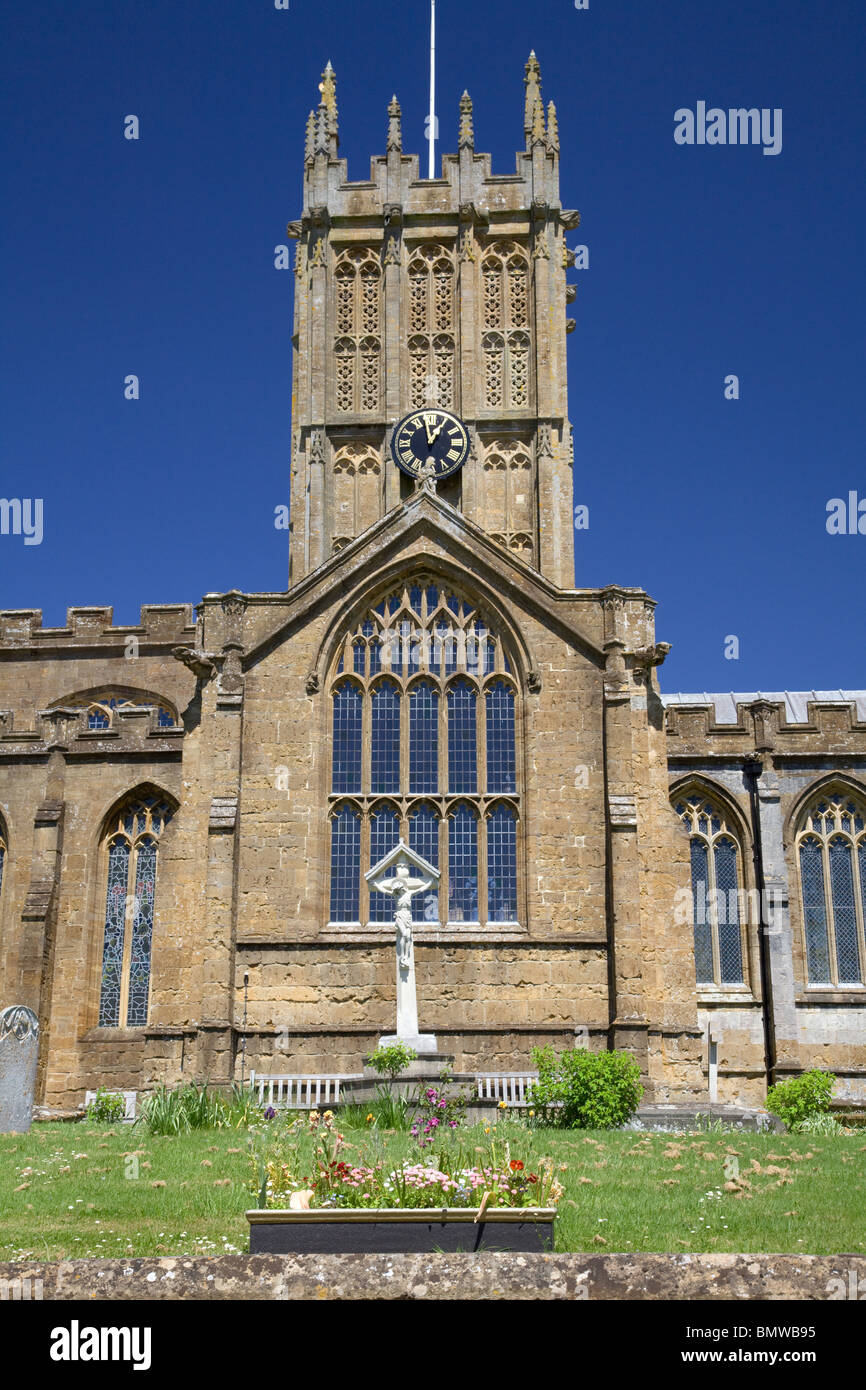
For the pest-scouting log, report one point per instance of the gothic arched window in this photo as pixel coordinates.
(424, 749)
(103, 706)
(716, 891)
(831, 851)
(132, 842)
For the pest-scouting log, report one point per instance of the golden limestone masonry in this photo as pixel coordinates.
(201, 797)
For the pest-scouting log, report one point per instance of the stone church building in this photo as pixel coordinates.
(195, 801)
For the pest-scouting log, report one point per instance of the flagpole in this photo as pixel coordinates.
(431, 170)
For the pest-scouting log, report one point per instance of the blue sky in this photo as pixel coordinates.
(155, 257)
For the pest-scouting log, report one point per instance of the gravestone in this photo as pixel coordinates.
(19, 1045)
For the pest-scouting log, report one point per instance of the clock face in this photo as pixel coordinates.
(430, 444)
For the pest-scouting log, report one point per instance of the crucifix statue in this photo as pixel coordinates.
(394, 876)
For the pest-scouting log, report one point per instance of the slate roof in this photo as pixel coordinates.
(795, 701)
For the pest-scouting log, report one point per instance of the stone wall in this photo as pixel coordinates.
(788, 749)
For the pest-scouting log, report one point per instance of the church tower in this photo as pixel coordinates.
(446, 292)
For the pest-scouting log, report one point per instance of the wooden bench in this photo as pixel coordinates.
(299, 1092)
(509, 1086)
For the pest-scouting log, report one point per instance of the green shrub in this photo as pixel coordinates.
(391, 1059)
(597, 1090)
(801, 1097)
(107, 1107)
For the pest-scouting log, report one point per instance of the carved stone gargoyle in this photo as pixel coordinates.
(647, 657)
(200, 663)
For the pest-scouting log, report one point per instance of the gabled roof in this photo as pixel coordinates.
(455, 539)
(401, 853)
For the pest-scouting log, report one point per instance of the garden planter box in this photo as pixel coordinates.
(400, 1230)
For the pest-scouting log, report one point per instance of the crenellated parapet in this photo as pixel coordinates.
(796, 724)
(161, 625)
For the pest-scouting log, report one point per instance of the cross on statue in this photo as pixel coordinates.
(393, 875)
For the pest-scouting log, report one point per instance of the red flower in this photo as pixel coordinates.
(516, 1165)
(533, 1177)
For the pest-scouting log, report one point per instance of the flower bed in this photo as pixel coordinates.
(314, 1196)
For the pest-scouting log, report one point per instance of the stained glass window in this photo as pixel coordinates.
(730, 942)
(426, 663)
(704, 973)
(347, 738)
(345, 865)
(463, 866)
(142, 932)
(462, 757)
(831, 846)
(814, 910)
(716, 892)
(132, 844)
(502, 865)
(385, 750)
(423, 739)
(501, 769)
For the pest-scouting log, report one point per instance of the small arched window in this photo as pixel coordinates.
(424, 749)
(102, 706)
(132, 844)
(716, 891)
(831, 853)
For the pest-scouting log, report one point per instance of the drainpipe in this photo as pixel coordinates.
(752, 769)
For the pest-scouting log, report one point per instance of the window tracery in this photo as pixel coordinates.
(831, 854)
(357, 319)
(505, 341)
(424, 748)
(132, 842)
(432, 321)
(716, 890)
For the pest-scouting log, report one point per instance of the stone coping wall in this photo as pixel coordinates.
(568, 1277)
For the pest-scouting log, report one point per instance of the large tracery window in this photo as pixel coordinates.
(424, 749)
(716, 891)
(132, 842)
(831, 850)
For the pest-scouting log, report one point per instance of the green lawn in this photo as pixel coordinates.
(64, 1191)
